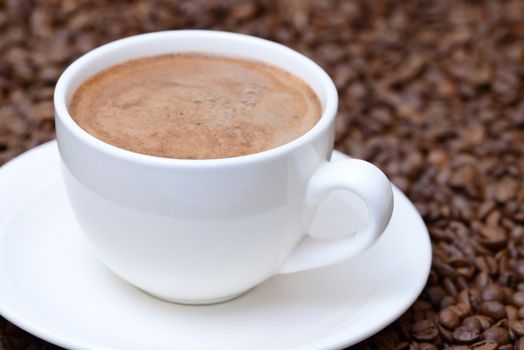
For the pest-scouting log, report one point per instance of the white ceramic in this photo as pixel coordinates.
(52, 285)
(202, 231)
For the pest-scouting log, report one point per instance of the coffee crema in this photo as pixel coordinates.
(195, 106)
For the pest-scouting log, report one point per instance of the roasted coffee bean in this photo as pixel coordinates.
(511, 312)
(506, 278)
(450, 287)
(435, 295)
(472, 322)
(464, 274)
(492, 263)
(424, 330)
(506, 189)
(445, 334)
(463, 303)
(482, 279)
(494, 238)
(517, 327)
(449, 318)
(445, 270)
(485, 345)
(448, 301)
(466, 335)
(423, 311)
(498, 334)
(485, 321)
(520, 313)
(475, 298)
(519, 345)
(493, 292)
(519, 268)
(508, 292)
(461, 310)
(518, 299)
(493, 309)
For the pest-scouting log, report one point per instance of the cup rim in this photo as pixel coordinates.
(62, 113)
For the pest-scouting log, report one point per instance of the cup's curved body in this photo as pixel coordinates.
(191, 234)
(184, 230)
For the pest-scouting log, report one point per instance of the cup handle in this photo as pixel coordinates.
(366, 181)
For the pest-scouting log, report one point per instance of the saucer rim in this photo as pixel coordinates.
(337, 339)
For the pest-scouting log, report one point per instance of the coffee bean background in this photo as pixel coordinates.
(431, 91)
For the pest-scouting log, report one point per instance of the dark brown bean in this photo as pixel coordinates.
(520, 313)
(506, 278)
(435, 295)
(461, 310)
(519, 345)
(508, 293)
(511, 312)
(424, 330)
(449, 318)
(492, 263)
(506, 347)
(498, 334)
(475, 298)
(445, 333)
(493, 309)
(482, 279)
(445, 270)
(493, 292)
(466, 335)
(518, 299)
(519, 268)
(448, 301)
(423, 311)
(450, 287)
(493, 238)
(472, 322)
(485, 321)
(485, 345)
(506, 189)
(463, 303)
(517, 327)
(465, 274)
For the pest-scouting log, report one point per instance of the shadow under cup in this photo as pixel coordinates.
(192, 231)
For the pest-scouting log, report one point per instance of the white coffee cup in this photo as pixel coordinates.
(205, 231)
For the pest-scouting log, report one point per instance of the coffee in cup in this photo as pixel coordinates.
(195, 106)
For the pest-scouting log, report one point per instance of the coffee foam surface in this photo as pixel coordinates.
(194, 106)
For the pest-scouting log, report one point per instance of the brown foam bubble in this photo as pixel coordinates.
(194, 106)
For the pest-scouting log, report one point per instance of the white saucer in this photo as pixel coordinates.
(52, 285)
